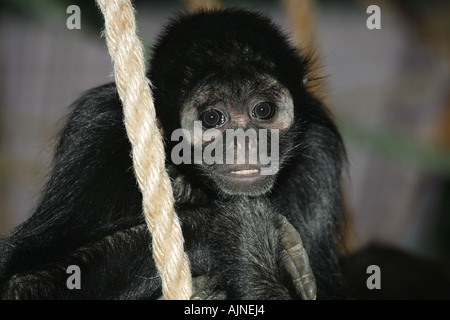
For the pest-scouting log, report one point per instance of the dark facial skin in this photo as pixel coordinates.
(260, 104)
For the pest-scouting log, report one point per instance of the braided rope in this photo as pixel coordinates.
(147, 148)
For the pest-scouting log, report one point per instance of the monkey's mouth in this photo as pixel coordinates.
(245, 172)
(245, 179)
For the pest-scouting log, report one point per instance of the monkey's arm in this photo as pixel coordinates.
(247, 250)
(295, 261)
(108, 268)
(118, 266)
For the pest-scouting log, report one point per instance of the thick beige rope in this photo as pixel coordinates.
(147, 147)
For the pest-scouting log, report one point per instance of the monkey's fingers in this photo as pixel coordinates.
(204, 288)
(296, 261)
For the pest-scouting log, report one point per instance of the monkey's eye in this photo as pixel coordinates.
(212, 118)
(263, 111)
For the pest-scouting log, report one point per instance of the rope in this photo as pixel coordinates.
(127, 54)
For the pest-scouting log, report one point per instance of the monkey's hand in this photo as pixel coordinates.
(245, 242)
(205, 288)
(295, 260)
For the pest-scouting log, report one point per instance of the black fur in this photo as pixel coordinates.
(90, 212)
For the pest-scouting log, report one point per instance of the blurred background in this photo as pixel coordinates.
(388, 89)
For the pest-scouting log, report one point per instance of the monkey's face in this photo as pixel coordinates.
(234, 128)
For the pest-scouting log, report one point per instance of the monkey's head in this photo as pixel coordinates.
(234, 84)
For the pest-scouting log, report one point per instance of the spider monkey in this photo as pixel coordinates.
(226, 70)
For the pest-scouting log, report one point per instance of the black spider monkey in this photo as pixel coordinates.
(229, 69)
